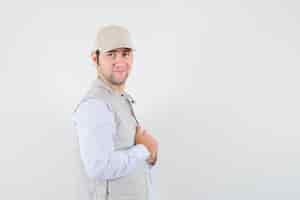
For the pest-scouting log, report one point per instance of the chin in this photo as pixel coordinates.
(118, 82)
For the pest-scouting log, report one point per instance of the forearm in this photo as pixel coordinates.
(116, 164)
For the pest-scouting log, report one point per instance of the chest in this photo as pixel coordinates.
(125, 123)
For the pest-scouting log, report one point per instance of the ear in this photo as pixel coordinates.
(94, 57)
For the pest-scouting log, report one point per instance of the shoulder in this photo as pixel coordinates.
(93, 109)
(95, 96)
(98, 93)
(93, 105)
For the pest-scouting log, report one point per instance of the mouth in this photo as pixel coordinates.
(120, 74)
(119, 71)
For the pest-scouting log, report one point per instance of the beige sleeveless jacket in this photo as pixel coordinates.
(130, 187)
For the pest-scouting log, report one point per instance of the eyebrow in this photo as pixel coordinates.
(125, 50)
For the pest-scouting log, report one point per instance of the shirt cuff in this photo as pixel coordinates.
(139, 151)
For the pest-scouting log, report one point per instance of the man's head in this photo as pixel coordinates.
(113, 54)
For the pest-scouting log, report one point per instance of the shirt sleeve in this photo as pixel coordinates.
(95, 126)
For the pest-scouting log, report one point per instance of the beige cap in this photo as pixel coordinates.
(112, 37)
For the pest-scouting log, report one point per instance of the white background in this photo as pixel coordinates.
(217, 82)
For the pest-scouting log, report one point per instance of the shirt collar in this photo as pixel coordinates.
(100, 83)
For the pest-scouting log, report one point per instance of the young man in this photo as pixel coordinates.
(116, 152)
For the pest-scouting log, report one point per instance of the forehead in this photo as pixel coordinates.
(119, 50)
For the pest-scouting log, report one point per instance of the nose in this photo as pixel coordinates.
(120, 59)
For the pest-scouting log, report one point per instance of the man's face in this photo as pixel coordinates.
(115, 65)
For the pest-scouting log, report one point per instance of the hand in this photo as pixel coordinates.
(152, 159)
(143, 137)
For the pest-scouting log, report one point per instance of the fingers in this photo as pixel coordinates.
(152, 159)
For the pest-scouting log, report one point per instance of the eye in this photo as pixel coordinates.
(125, 54)
(109, 54)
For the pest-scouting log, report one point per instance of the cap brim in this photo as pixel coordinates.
(117, 47)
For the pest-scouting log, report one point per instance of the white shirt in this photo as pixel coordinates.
(95, 127)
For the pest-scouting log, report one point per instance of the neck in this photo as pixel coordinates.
(115, 88)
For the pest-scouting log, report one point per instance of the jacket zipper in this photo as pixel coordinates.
(107, 190)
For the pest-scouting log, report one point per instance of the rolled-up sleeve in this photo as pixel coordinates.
(95, 126)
